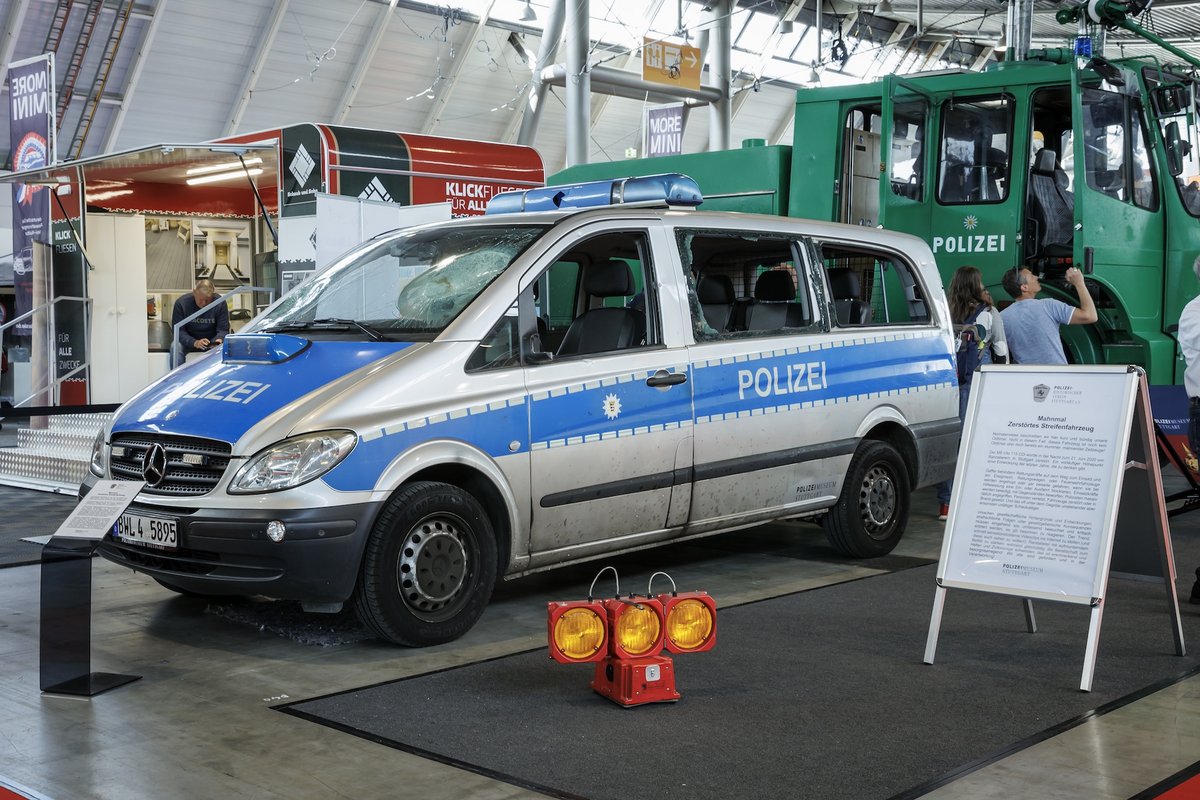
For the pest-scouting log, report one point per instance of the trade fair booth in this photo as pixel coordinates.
(261, 210)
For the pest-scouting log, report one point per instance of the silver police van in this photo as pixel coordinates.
(457, 403)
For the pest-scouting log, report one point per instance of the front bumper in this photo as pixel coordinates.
(227, 551)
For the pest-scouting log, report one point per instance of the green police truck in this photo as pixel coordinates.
(1057, 160)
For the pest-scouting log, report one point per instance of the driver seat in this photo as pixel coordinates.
(605, 328)
(1052, 206)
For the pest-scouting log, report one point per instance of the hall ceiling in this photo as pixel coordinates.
(192, 70)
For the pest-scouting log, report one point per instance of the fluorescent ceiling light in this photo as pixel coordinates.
(222, 167)
(223, 176)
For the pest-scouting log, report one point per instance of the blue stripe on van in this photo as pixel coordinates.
(780, 381)
(816, 376)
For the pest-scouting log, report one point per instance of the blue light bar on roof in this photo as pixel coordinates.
(672, 189)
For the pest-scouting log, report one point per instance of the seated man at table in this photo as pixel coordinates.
(205, 331)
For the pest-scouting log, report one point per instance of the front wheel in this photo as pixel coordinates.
(872, 511)
(429, 566)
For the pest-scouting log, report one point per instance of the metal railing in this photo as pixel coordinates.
(177, 354)
(53, 388)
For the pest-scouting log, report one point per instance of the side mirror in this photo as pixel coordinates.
(1170, 99)
(1176, 148)
(532, 351)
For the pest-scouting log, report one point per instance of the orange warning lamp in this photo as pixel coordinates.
(578, 631)
(637, 626)
(625, 638)
(691, 621)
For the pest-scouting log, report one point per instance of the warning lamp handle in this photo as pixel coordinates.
(616, 580)
(650, 585)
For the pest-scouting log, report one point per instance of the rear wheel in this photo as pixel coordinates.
(872, 511)
(429, 566)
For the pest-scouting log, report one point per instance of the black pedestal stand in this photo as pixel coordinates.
(66, 632)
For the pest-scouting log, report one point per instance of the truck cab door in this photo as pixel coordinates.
(904, 184)
(1175, 102)
(1119, 220)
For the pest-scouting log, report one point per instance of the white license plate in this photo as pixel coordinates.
(152, 531)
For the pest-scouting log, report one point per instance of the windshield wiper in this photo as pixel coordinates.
(331, 323)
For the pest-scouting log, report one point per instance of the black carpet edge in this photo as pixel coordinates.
(1163, 786)
(1049, 733)
(285, 707)
(440, 758)
(21, 563)
(909, 794)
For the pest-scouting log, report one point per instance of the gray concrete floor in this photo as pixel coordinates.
(200, 724)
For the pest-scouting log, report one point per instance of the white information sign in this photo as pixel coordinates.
(98, 511)
(1039, 476)
(1056, 464)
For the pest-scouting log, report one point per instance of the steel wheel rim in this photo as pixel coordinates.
(433, 564)
(877, 500)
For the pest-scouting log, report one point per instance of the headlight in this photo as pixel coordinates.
(292, 462)
(99, 455)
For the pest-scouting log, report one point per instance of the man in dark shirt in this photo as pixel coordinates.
(206, 330)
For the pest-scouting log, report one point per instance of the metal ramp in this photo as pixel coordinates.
(54, 458)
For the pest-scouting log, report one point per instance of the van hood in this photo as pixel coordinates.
(222, 396)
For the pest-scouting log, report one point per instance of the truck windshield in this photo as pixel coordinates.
(411, 285)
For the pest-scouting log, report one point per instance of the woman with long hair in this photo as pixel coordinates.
(980, 336)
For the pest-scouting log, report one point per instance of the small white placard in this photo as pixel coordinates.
(97, 513)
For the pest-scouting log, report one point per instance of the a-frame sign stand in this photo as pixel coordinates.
(1077, 445)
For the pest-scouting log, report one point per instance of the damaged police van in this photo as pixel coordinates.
(457, 403)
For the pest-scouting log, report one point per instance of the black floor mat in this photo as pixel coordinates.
(28, 512)
(820, 694)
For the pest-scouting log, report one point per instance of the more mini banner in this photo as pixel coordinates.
(31, 131)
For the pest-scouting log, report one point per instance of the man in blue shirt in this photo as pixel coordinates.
(1031, 324)
(205, 331)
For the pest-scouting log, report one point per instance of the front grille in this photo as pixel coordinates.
(194, 465)
(190, 562)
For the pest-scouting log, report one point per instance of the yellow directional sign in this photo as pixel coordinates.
(671, 63)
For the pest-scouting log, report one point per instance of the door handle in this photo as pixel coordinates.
(664, 378)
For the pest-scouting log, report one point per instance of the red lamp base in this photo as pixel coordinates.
(636, 681)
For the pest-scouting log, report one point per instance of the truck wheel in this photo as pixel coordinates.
(872, 511)
(429, 566)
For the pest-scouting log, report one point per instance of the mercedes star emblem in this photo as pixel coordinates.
(154, 464)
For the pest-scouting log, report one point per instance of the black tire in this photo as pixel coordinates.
(429, 566)
(872, 511)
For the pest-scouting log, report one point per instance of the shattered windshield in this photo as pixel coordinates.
(408, 286)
